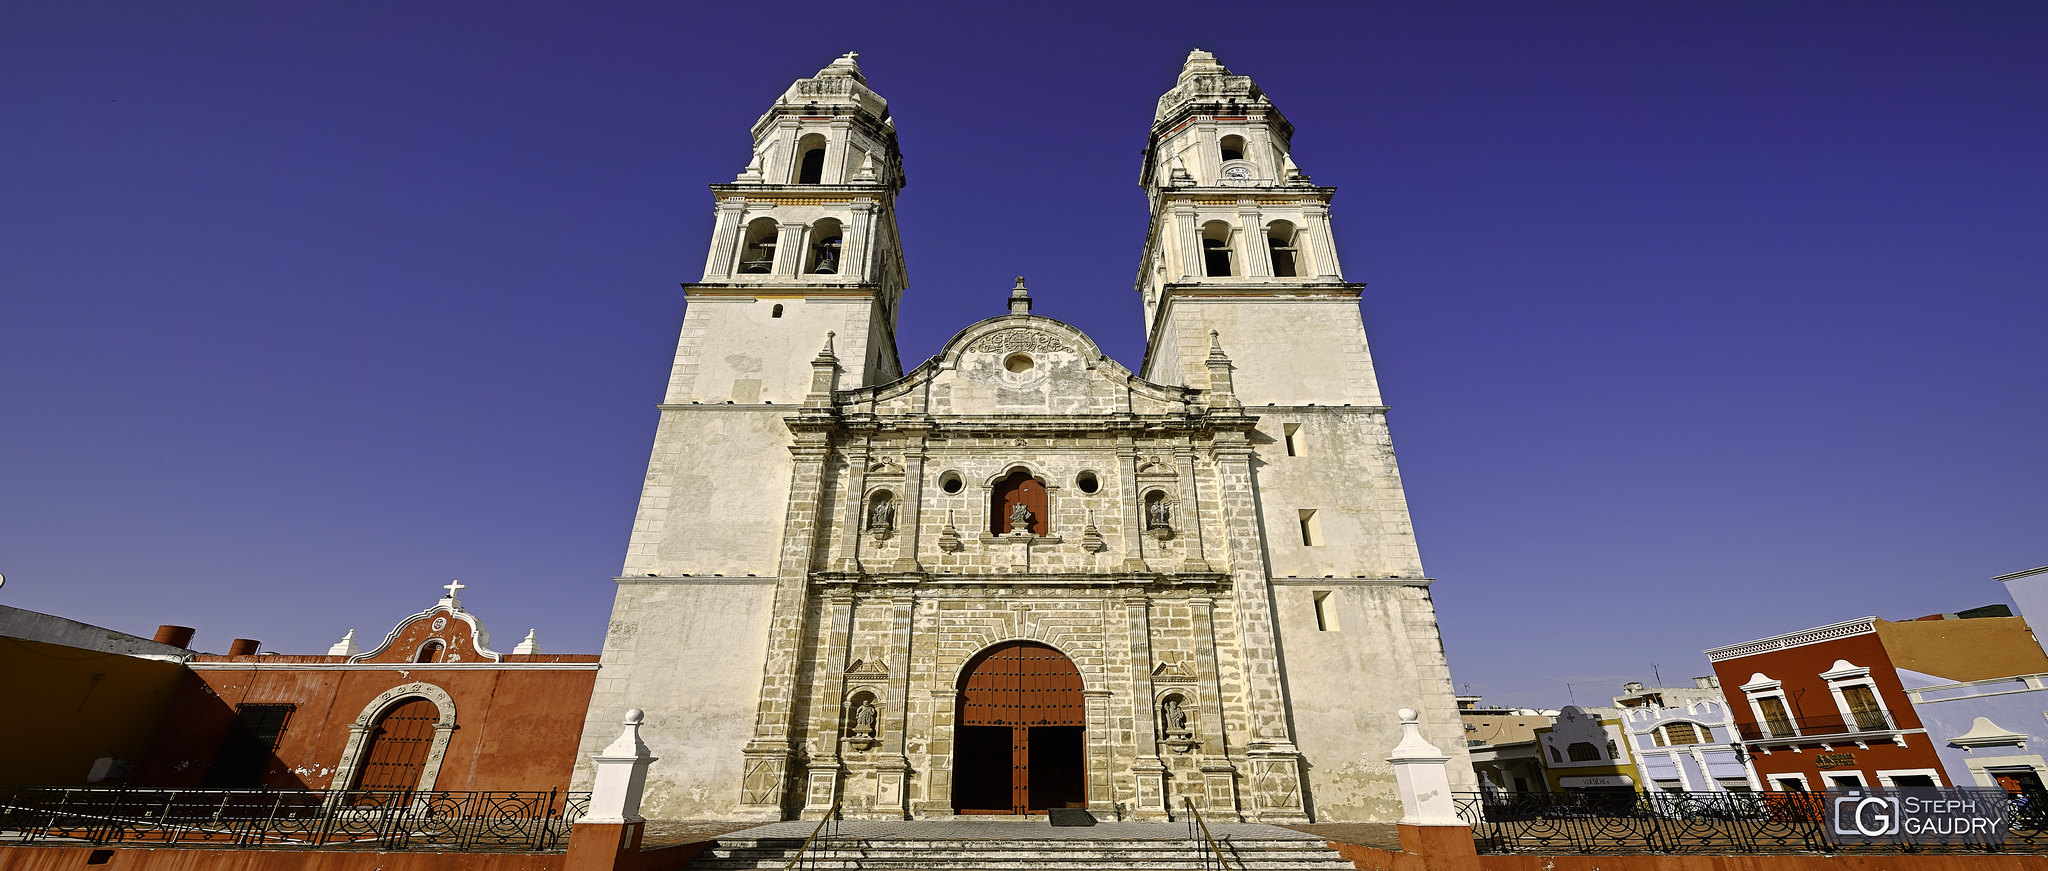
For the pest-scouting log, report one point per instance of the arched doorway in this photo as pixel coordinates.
(1018, 745)
(397, 751)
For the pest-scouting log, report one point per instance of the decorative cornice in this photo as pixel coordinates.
(406, 668)
(1350, 582)
(1831, 632)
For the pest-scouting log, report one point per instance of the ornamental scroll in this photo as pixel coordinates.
(1007, 341)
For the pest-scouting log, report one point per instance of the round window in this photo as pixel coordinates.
(1019, 363)
(1087, 482)
(951, 483)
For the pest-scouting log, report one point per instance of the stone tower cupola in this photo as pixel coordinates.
(805, 243)
(1240, 245)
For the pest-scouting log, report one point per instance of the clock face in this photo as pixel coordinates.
(1237, 173)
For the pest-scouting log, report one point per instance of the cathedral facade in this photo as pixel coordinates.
(1020, 575)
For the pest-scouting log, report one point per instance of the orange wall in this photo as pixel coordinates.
(66, 706)
(516, 729)
(1798, 669)
(1960, 650)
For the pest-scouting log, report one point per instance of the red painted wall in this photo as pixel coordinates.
(516, 728)
(1798, 669)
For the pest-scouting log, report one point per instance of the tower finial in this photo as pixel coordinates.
(1020, 298)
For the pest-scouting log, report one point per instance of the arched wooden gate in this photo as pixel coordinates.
(1019, 744)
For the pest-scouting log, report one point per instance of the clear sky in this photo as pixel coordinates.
(1700, 322)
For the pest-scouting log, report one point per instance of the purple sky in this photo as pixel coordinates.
(1700, 322)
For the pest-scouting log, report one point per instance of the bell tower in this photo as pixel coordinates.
(805, 244)
(1240, 244)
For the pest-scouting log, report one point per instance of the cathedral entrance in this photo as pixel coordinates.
(1019, 742)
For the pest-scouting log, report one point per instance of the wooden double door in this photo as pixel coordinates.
(1019, 745)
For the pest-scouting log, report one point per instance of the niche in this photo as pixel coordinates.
(1017, 504)
(1177, 721)
(863, 720)
(881, 513)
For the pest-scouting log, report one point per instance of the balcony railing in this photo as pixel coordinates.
(1811, 727)
(294, 819)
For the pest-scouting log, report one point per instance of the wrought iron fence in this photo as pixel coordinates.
(264, 818)
(1800, 727)
(1711, 822)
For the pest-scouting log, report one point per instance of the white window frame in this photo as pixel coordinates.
(1773, 778)
(1761, 687)
(1862, 780)
(1841, 677)
(1886, 777)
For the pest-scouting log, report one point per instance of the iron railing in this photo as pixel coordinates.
(1801, 727)
(1709, 822)
(262, 818)
(1198, 831)
(814, 847)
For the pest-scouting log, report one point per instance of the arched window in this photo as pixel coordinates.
(1582, 751)
(777, 312)
(431, 651)
(810, 163)
(1018, 489)
(757, 256)
(1676, 734)
(1233, 147)
(1216, 249)
(824, 259)
(1280, 244)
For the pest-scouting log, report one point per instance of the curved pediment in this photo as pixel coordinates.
(1019, 364)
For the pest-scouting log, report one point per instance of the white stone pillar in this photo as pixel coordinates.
(621, 774)
(1422, 778)
(1190, 234)
(1323, 256)
(854, 253)
(789, 248)
(1258, 260)
(725, 240)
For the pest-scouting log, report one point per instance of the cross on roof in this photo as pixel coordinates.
(452, 586)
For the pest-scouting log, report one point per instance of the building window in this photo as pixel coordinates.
(951, 482)
(1863, 708)
(777, 312)
(1232, 147)
(396, 755)
(1777, 721)
(811, 160)
(1582, 751)
(1296, 444)
(1019, 489)
(432, 651)
(1280, 246)
(824, 258)
(249, 748)
(1311, 527)
(1086, 482)
(1326, 612)
(1216, 249)
(1675, 734)
(757, 255)
(1856, 698)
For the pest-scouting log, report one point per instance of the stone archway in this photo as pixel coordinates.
(350, 769)
(1020, 735)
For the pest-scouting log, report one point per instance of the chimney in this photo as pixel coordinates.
(243, 647)
(175, 636)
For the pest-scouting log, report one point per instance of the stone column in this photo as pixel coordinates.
(910, 507)
(892, 770)
(1149, 796)
(1190, 234)
(835, 152)
(1323, 256)
(1219, 777)
(1134, 526)
(725, 240)
(1276, 776)
(854, 245)
(789, 248)
(826, 773)
(1258, 261)
(1100, 789)
(766, 769)
(854, 512)
(1191, 509)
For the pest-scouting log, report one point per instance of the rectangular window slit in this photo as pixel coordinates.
(1326, 612)
(1295, 444)
(1311, 528)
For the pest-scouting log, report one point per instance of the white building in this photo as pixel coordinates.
(1020, 575)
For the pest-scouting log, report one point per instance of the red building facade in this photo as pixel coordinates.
(1824, 708)
(432, 708)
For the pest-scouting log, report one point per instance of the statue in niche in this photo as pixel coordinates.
(1020, 518)
(864, 718)
(883, 514)
(1158, 516)
(1176, 719)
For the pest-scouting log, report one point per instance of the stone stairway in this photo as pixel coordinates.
(943, 846)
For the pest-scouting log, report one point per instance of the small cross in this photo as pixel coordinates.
(452, 586)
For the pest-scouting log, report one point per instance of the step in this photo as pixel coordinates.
(1020, 854)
